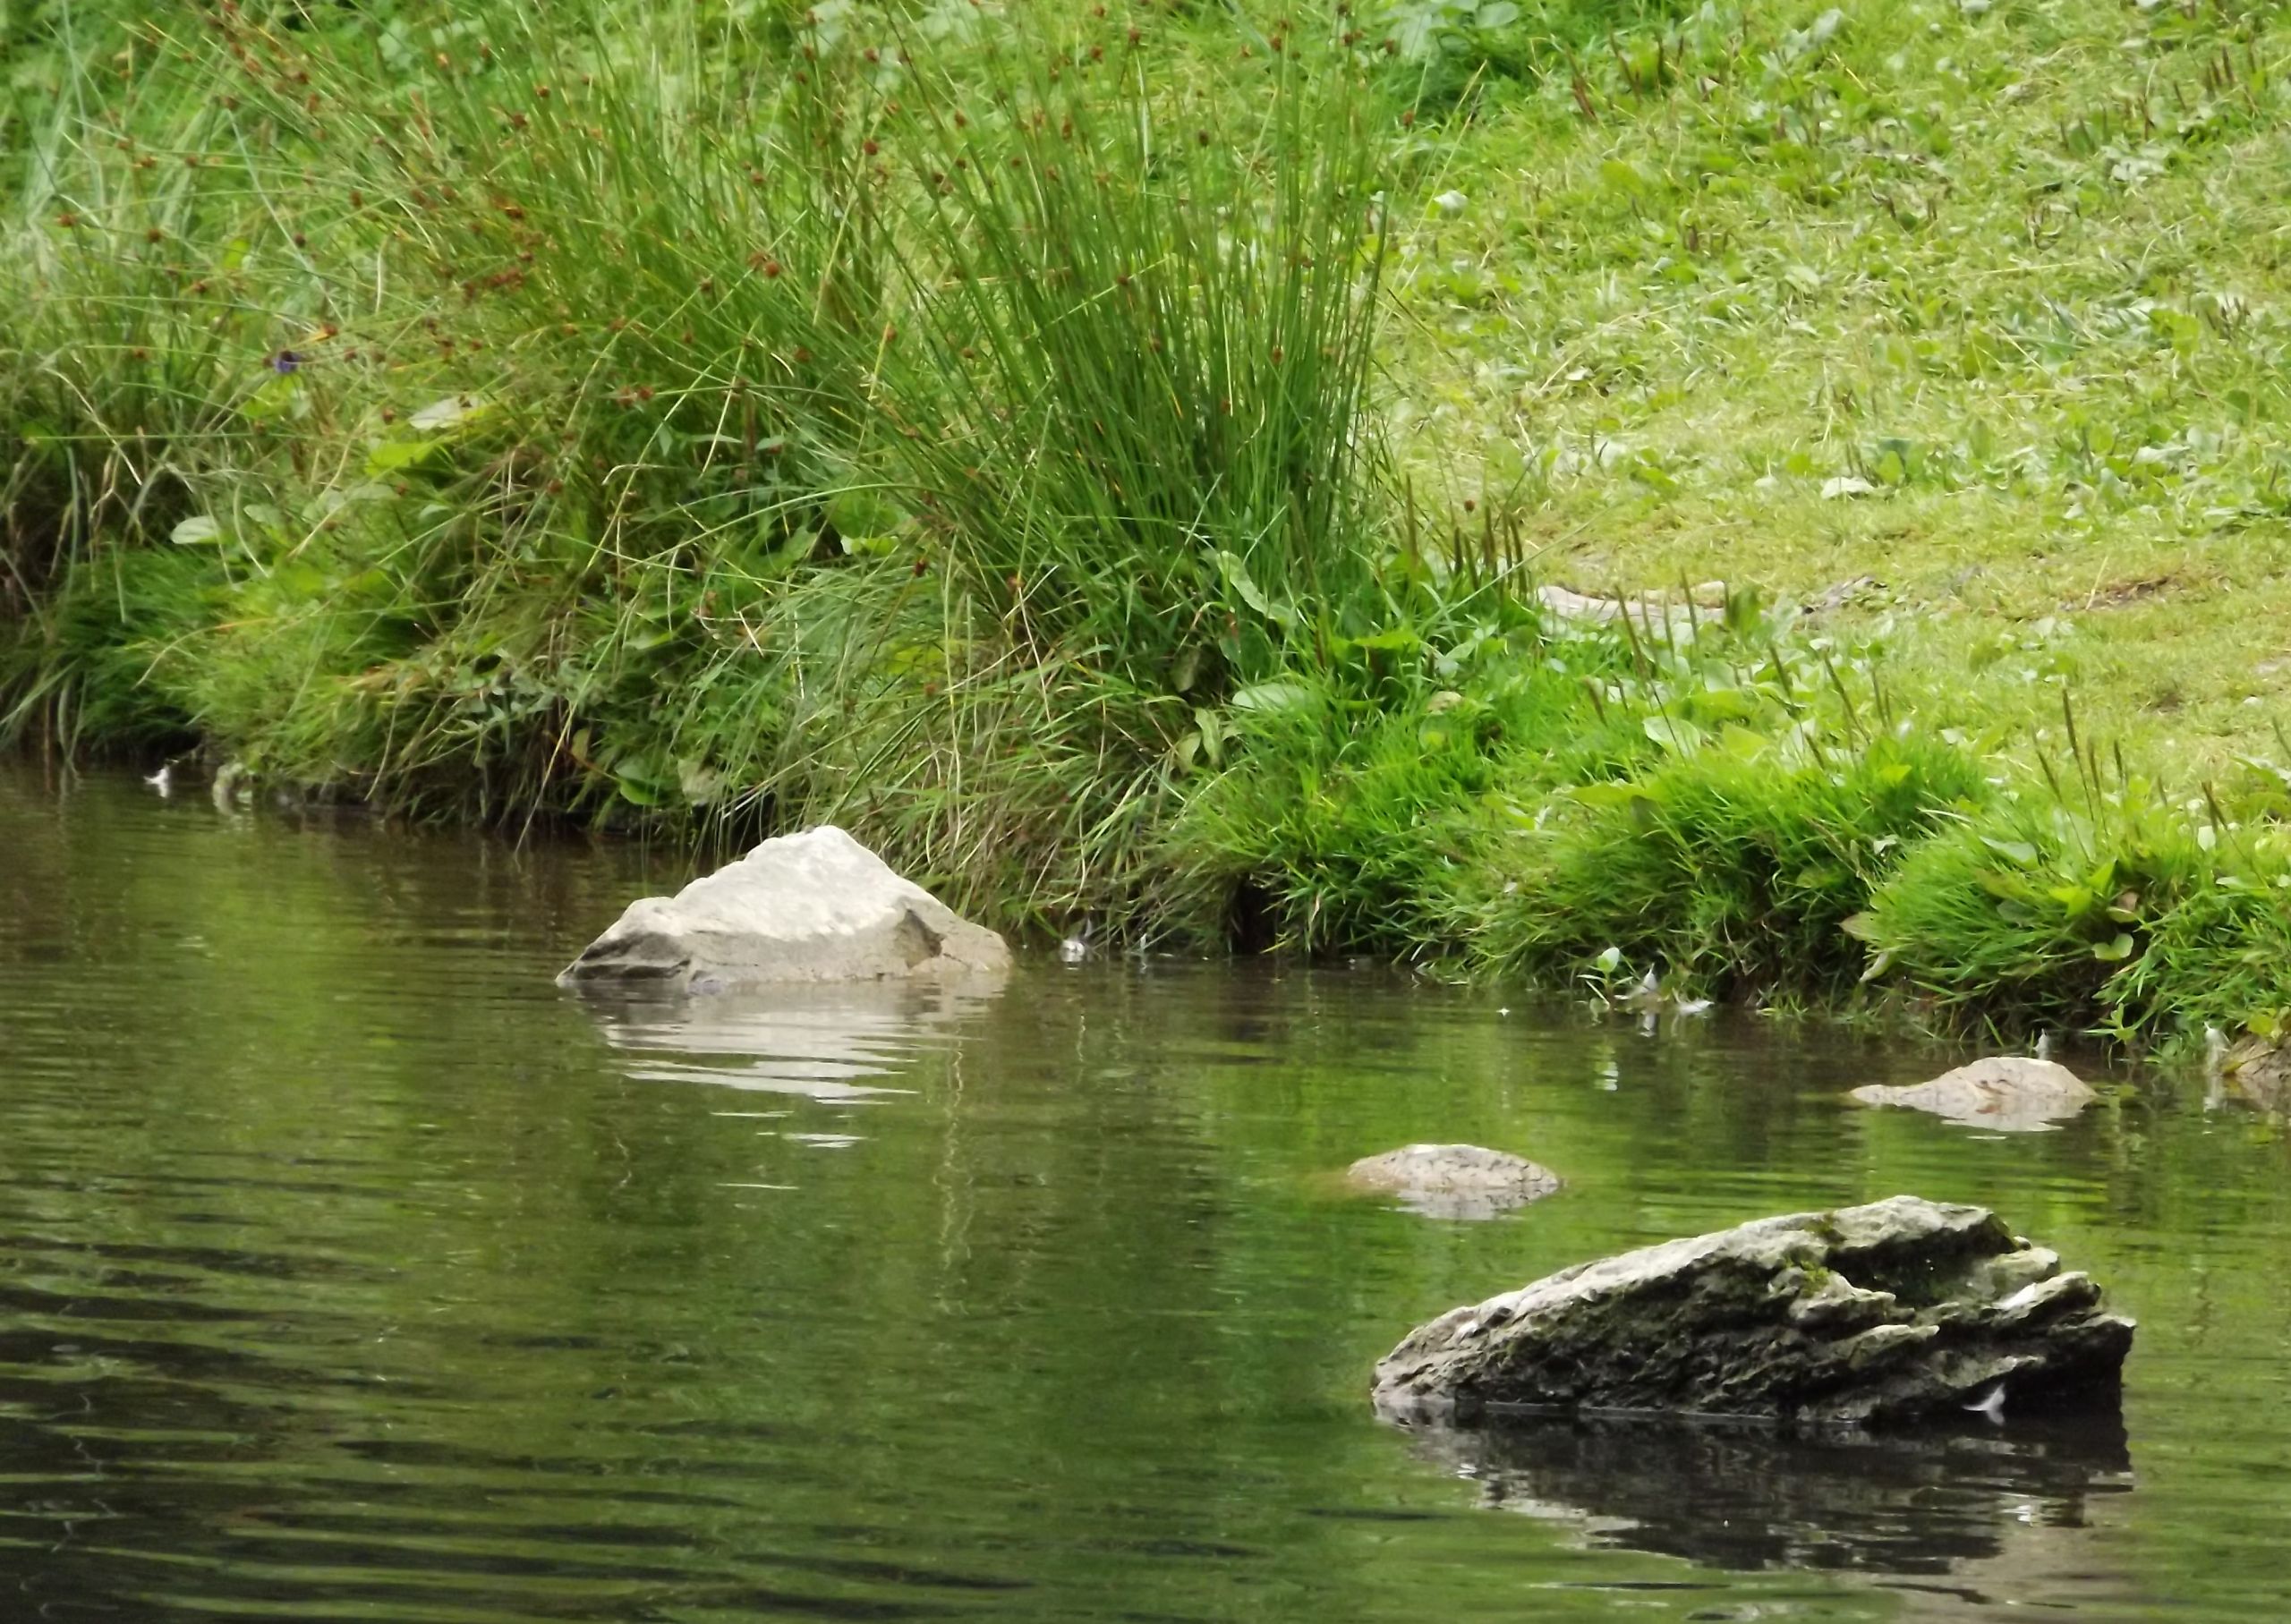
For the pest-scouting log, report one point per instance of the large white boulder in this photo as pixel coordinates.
(817, 906)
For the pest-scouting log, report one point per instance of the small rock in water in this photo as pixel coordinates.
(1454, 1181)
(1892, 1312)
(817, 906)
(2011, 1094)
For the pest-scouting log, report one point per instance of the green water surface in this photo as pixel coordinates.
(349, 1270)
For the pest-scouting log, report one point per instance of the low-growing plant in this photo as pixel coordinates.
(1731, 868)
(2093, 902)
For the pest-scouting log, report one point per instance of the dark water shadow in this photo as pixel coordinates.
(1969, 1503)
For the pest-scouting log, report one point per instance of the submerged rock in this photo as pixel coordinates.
(1874, 1314)
(1454, 1181)
(817, 906)
(2011, 1094)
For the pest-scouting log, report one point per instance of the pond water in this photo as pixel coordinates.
(348, 1270)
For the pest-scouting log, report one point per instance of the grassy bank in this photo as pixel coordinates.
(1110, 458)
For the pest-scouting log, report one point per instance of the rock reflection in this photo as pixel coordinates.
(819, 1040)
(1975, 1509)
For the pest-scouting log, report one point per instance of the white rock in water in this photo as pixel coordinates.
(2008, 1092)
(1454, 1181)
(817, 906)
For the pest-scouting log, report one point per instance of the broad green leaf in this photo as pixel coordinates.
(1237, 576)
(1211, 734)
(1673, 733)
(862, 516)
(277, 397)
(454, 411)
(391, 456)
(1273, 696)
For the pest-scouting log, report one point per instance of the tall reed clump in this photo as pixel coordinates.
(653, 413)
(110, 338)
(1146, 322)
(498, 399)
(1121, 388)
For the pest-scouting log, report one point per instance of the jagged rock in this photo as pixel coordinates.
(817, 906)
(2260, 1070)
(2011, 1094)
(1454, 1181)
(1872, 1314)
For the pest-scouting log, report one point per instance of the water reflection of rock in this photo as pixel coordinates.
(820, 1041)
(1977, 1512)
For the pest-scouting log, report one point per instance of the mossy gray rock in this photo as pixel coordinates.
(1873, 1315)
(2010, 1094)
(817, 906)
(1454, 1181)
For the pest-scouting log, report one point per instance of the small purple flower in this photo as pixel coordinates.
(285, 362)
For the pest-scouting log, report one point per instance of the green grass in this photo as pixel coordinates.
(2012, 266)
(1103, 455)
